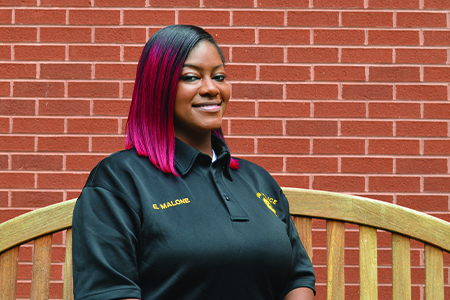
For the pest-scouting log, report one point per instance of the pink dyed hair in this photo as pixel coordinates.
(150, 127)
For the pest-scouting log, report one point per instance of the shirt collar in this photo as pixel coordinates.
(185, 155)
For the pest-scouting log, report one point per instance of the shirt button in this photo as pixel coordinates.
(226, 197)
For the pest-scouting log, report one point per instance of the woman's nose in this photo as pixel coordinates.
(209, 88)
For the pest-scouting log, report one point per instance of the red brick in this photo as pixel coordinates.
(436, 147)
(283, 109)
(436, 110)
(285, 72)
(339, 73)
(39, 52)
(332, 109)
(64, 107)
(394, 74)
(120, 3)
(65, 71)
(380, 197)
(424, 202)
(241, 145)
(115, 71)
(436, 37)
(40, 16)
(8, 214)
(61, 180)
(3, 165)
(38, 125)
(284, 36)
(120, 35)
(337, 183)
(394, 184)
(313, 18)
(421, 165)
(254, 18)
(338, 146)
(367, 128)
(310, 55)
(283, 3)
(367, 19)
(233, 35)
(311, 128)
(270, 163)
(438, 4)
(258, 54)
(422, 92)
(72, 3)
(240, 72)
(175, 3)
(421, 129)
(3, 199)
(312, 164)
(394, 37)
(339, 37)
(93, 89)
(394, 4)
(16, 180)
(367, 165)
(131, 52)
(6, 16)
(5, 52)
(77, 162)
(422, 19)
(18, 34)
(296, 181)
(17, 107)
(127, 89)
(228, 3)
(65, 34)
(436, 184)
(367, 92)
(63, 143)
(257, 91)
(241, 108)
(312, 91)
(16, 143)
(142, 16)
(108, 144)
(252, 126)
(111, 107)
(94, 17)
(5, 89)
(438, 74)
(394, 110)
(283, 145)
(37, 162)
(366, 55)
(4, 125)
(85, 125)
(421, 56)
(38, 89)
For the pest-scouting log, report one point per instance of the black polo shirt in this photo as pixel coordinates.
(210, 233)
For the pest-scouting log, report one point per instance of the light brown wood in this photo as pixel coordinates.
(9, 261)
(304, 228)
(335, 260)
(68, 282)
(42, 258)
(368, 275)
(401, 267)
(434, 274)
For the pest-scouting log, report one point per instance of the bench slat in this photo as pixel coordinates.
(335, 260)
(9, 262)
(68, 282)
(42, 258)
(401, 267)
(368, 275)
(304, 228)
(434, 274)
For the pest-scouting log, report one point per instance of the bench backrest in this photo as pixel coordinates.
(369, 216)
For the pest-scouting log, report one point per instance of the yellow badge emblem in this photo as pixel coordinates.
(268, 201)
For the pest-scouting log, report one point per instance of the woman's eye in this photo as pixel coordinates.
(220, 77)
(189, 77)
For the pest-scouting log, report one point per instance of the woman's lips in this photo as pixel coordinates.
(208, 107)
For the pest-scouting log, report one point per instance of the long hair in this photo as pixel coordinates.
(150, 128)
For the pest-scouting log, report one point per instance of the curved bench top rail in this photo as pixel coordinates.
(36, 223)
(369, 212)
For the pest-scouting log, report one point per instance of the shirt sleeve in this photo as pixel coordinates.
(302, 273)
(105, 245)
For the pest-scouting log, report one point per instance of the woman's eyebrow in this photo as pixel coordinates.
(200, 68)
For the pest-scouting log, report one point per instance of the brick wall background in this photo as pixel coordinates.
(343, 95)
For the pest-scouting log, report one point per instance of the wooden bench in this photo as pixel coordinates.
(369, 216)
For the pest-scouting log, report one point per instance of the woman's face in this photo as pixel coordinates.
(202, 94)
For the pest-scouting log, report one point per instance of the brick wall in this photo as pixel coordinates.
(342, 95)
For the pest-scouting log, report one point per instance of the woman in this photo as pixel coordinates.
(174, 216)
